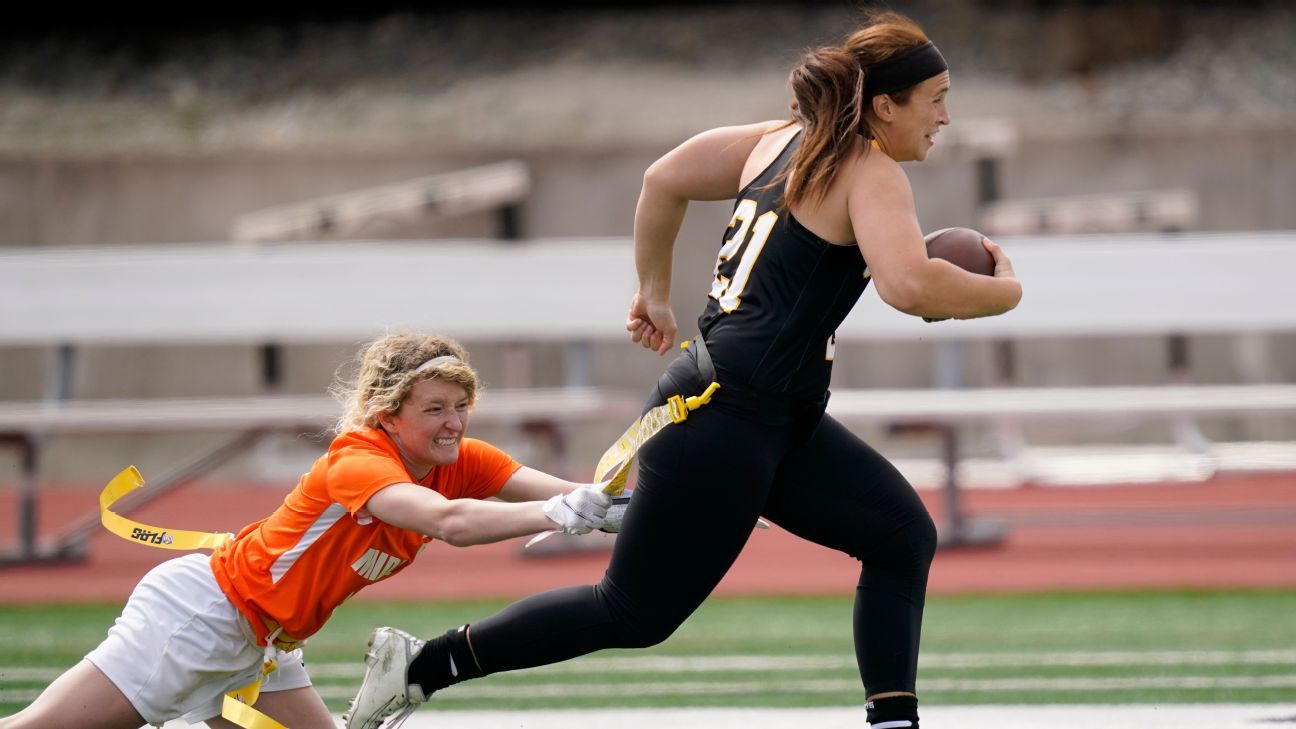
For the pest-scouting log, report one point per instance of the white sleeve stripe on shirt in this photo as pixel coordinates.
(285, 561)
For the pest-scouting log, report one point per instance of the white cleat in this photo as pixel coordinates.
(386, 689)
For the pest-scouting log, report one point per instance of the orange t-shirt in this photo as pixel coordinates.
(316, 550)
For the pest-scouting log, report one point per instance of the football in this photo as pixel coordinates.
(961, 247)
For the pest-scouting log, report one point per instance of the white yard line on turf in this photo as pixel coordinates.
(835, 686)
(782, 664)
(1113, 684)
(1181, 716)
(708, 664)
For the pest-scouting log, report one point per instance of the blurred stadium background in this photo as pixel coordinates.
(224, 151)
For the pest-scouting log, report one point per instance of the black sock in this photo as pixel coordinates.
(892, 711)
(444, 661)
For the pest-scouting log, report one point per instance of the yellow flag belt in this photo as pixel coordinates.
(614, 466)
(181, 539)
(237, 705)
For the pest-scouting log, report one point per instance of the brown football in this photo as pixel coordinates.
(961, 247)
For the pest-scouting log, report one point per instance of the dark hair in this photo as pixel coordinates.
(828, 99)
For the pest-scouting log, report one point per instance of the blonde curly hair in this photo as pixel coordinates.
(390, 367)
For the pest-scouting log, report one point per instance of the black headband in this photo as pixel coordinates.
(904, 70)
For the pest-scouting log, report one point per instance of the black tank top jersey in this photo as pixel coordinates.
(778, 295)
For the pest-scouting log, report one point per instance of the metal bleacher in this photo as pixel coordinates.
(542, 290)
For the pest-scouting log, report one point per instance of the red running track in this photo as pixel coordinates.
(1234, 531)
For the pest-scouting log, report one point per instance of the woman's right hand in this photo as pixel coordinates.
(651, 323)
(580, 511)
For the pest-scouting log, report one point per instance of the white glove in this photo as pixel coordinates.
(580, 511)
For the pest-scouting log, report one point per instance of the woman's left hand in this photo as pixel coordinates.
(1003, 265)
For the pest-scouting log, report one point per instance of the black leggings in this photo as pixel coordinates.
(701, 486)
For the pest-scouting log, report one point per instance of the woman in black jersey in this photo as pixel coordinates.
(822, 208)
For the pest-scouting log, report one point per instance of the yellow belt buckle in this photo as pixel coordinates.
(697, 401)
(679, 410)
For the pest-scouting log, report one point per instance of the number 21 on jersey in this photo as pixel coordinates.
(728, 289)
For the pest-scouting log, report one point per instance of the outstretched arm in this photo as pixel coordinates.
(534, 502)
(457, 522)
(528, 484)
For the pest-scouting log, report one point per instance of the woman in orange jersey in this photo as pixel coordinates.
(399, 474)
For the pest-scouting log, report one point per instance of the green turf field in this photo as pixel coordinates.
(1136, 647)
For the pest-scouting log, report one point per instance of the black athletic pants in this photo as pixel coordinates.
(702, 484)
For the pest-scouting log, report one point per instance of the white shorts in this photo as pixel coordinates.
(180, 645)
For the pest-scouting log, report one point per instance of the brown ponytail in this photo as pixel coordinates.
(828, 100)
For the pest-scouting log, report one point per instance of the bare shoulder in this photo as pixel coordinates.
(773, 136)
(869, 171)
(740, 136)
(710, 165)
(766, 127)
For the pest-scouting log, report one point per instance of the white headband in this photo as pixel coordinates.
(443, 359)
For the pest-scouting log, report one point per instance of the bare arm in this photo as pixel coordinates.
(886, 228)
(457, 522)
(707, 167)
(528, 484)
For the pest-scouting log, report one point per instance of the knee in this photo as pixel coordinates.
(924, 539)
(918, 536)
(909, 549)
(637, 625)
(648, 633)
